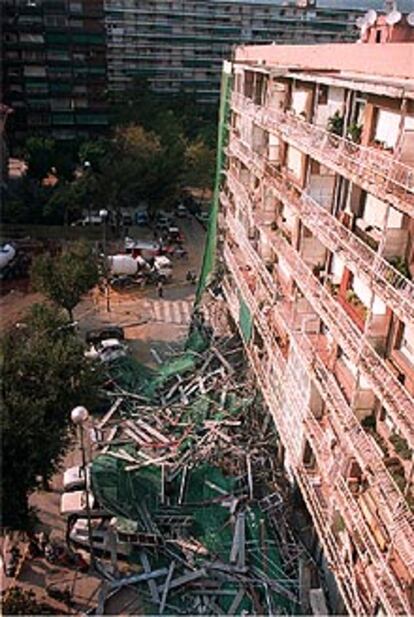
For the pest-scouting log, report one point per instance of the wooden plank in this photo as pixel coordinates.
(152, 431)
(155, 597)
(182, 485)
(110, 413)
(222, 359)
(185, 579)
(141, 434)
(249, 475)
(236, 602)
(241, 560)
(134, 437)
(166, 587)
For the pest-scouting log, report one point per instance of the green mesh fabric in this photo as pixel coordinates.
(245, 321)
(211, 239)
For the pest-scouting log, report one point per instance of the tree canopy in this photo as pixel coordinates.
(157, 146)
(45, 375)
(65, 278)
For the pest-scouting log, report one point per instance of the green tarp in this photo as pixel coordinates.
(211, 240)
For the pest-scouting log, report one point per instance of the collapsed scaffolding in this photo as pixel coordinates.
(188, 466)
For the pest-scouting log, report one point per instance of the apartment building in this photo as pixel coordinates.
(54, 67)
(180, 44)
(316, 239)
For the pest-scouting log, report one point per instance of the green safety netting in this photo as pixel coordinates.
(211, 240)
(245, 320)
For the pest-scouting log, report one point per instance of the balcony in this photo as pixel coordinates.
(375, 171)
(276, 392)
(385, 385)
(386, 281)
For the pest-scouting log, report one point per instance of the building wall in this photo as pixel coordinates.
(332, 302)
(54, 74)
(180, 44)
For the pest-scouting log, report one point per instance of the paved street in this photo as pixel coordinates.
(150, 323)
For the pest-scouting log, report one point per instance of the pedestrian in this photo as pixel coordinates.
(160, 288)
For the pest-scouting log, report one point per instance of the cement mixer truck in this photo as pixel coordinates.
(126, 270)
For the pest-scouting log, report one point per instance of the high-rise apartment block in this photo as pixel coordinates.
(54, 67)
(316, 225)
(180, 44)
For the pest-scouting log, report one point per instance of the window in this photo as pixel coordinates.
(60, 104)
(57, 54)
(323, 95)
(55, 20)
(407, 343)
(34, 71)
(32, 38)
(75, 7)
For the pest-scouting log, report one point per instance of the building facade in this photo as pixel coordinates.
(54, 67)
(180, 44)
(316, 231)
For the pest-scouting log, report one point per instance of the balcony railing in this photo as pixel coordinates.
(388, 498)
(394, 288)
(379, 173)
(386, 386)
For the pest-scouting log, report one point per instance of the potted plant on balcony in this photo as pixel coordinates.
(400, 264)
(335, 127)
(353, 300)
(353, 134)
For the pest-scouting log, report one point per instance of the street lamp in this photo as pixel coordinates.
(104, 217)
(79, 416)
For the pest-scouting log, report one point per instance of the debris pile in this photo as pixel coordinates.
(187, 464)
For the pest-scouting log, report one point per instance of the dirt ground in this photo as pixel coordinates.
(150, 323)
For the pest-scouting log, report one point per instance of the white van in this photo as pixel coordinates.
(75, 503)
(74, 478)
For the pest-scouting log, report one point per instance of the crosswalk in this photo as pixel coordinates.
(169, 311)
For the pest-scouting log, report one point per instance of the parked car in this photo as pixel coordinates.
(145, 248)
(74, 478)
(74, 502)
(127, 219)
(175, 236)
(163, 220)
(79, 535)
(107, 350)
(141, 217)
(93, 219)
(96, 336)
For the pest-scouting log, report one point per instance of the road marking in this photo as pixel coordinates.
(170, 311)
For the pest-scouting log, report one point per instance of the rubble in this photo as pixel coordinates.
(187, 465)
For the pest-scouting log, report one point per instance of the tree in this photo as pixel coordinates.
(66, 278)
(200, 160)
(45, 374)
(140, 167)
(94, 152)
(39, 155)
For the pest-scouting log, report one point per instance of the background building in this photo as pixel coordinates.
(317, 246)
(180, 44)
(54, 71)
